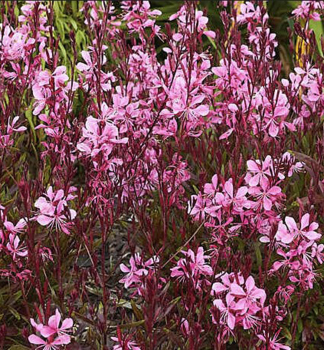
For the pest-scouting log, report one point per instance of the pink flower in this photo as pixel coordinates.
(317, 251)
(6, 139)
(49, 344)
(125, 344)
(260, 171)
(53, 333)
(134, 273)
(306, 10)
(198, 262)
(294, 166)
(275, 123)
(14, 249)
(41, 91)
(273, 342)
(199, 210)
(192, 109)
(60, 76)
(249, 296)
(83, 67)
(46, 254)
(185, 327)
(11, 127)
(54, 327)
(288, 232)
(52, 209)
(99, 137)
(193, 266)
(248, 13)
(18, 228)
(211, 188)
(226, 134)
(138, 269)
(249, 318)
(90, 70)
(285, 292)
(227, 280)
(37, 326)
(285, 262)
(227, 313)
(243, 299)
(266, 195)
(238, 200)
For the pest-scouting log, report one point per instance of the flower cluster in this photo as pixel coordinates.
(97, 142)
(193, 267)
(298, 248)
(13, 248)
(53, 333)
(241, 301)
(137, 271)
(54, 211)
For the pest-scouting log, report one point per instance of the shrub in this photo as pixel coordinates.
(161, 187)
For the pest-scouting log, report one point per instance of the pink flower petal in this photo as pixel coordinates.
(34, 339)
(231, 321)
(67, 323)
(267, 204)
(304, 221)
(44, 220)
(47, 331)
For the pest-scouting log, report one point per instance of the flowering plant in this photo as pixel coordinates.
(162, 175)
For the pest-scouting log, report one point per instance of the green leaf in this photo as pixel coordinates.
(79, 38)
(286, 333)
(16, 11)
(15, 297)
(75, 5)
(15, 313)
(175, 300)
(124, 303)
(133, 324)
(62, 49)
(138, 313)
(195, 189)
(18, 347)
(258, 254)
(29, 117)
(60, 28)
(74, 24)
(300, 325)
(212, 42)
(317, 27)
